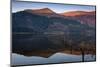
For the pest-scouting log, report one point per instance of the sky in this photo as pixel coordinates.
(58, 8)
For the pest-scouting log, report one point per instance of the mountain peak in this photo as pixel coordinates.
(76, 13)
(40, 11)
(45, 9)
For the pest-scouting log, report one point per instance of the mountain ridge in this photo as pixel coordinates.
(83, 17)
(77, 13)
(43, 10)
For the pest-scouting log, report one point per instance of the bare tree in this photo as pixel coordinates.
(82, 49)
(70, 44)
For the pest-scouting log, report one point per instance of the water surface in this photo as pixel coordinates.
(55, 58)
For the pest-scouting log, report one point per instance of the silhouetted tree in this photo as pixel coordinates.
(82, 49)
(70, 44)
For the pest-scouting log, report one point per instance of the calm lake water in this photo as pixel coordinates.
(55, 58)
(27, 42)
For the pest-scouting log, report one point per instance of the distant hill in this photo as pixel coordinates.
(84, 17)
(78, 13)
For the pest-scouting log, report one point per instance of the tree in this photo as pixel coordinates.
(82, 49)
(70, 44)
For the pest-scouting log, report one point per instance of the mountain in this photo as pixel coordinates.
(41, 30)
(44, 11)
(84, 17)
(27, 22)
(78, 13)
(40, 11)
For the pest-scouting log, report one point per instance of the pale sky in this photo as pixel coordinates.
(59, 8)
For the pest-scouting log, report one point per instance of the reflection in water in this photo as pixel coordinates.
(55, 58)
(42, 49)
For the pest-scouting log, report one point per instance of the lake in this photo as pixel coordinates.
(27, 50)
(18, 59)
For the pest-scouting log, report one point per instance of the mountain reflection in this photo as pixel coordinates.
(47, 54)
(46, 45)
